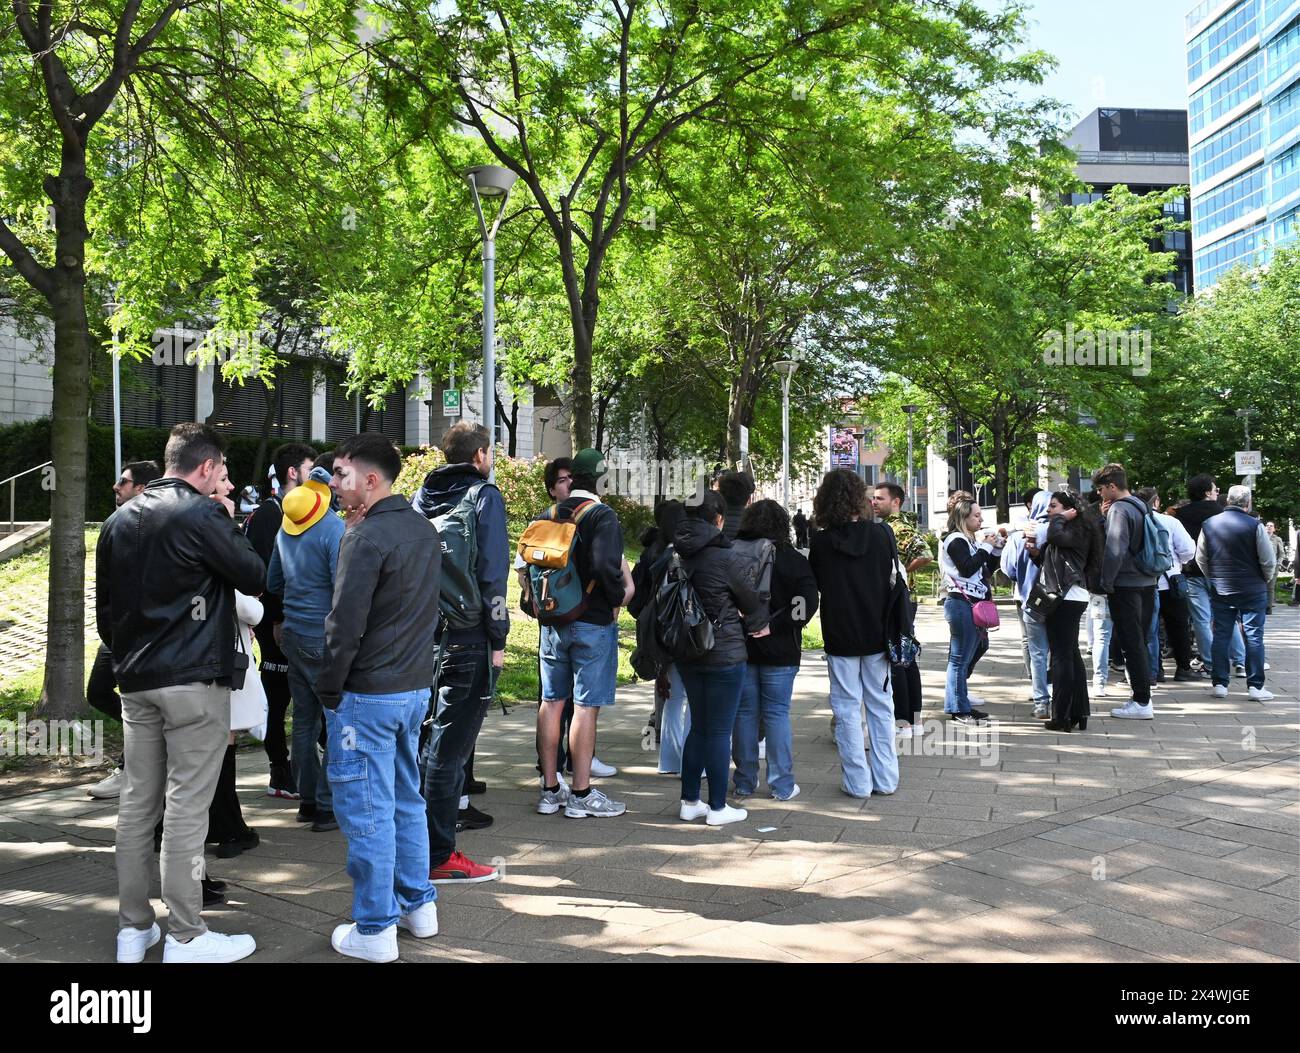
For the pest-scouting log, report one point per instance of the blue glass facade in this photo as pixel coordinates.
(1243, 79)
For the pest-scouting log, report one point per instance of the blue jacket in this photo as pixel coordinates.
(303, 569)
(1235, 553)
(1016, 563)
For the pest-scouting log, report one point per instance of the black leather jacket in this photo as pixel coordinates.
(166, 569)
(379, 638)
(722, 580)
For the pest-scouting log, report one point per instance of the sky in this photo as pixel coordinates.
(1115, 53)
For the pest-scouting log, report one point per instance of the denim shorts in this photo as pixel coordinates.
(580, 661)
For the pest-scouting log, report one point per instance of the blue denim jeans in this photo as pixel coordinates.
(1250, 608)
(858, 681)
(1100, 628)
(966, 646)
(765, 700)
(305, 655)
(1035, 630)
(674, 724)
(713, 693)
(580, 661)
(1198, 600)
(373, 770)
(1153, 641)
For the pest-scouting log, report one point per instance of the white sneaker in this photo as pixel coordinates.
(1099, 688)
(762, 749)
(601, 770)
(1239, 670)
(1130, 710)
(1267, 667)
(976, 702)
(1259, 694)
(793, 794)
(1155, 685)
(110, 787)
(208, 948)
(905, 732)
(381, 947)
(726, 814)
(551, 801)
(421, 922)
(1219, 691)
(692, 810)
(132, 943)
(1042, 711)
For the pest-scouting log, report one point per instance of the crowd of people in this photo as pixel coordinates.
(383, 623)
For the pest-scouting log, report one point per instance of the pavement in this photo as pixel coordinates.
(1176, 839)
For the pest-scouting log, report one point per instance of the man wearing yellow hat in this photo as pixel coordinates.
(303, 568)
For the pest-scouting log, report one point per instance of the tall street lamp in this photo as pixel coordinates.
(489, 181)
(111, 308)
(910, 410)
(786, 368)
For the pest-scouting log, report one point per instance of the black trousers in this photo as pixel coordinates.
(1067, 674)
(1130, 611)
(1177, 616)
(101, 689)
(278, 701)
(225, 818)
(906, 682)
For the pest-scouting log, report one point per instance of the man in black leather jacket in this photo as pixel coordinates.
(167, 566)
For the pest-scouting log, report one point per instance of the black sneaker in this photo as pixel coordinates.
(234, 846)
(962, 718)
(213, 893)
(306, 812)
(979, 714)
(324, 822)
(472, 819)
(1187, 676)
(475, 787)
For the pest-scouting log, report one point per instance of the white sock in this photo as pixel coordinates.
(464, 802)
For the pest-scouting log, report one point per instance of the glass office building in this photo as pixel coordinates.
(1243, 110)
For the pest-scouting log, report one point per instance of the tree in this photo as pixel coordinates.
(1011, 319)
(147, 125)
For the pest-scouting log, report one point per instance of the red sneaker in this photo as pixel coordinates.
(460, 868)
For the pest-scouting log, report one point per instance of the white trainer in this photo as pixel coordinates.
(762, 749)
(601, 770)
(1099, 688)
(132, 943)
(726, 814)
(110, 787)
(1219, 691)
(905, 732)
(1130, 710)
(793, 794)
(1259, 694)
(692, 810)
(421, 922)
(208, 948)
(381, 947)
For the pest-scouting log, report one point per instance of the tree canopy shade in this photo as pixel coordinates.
(581, 100)
(162, 141)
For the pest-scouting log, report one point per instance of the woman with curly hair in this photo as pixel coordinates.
(852, 557)
(773, 659)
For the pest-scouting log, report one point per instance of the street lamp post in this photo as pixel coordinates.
(489, 181)
(1245, 413)
(786, 368)
(910, 410)
(111, 308)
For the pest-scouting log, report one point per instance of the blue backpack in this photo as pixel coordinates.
(547, 547)
(1155, 552)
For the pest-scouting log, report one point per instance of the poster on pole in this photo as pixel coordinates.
(1249, 462)
(451, 402)
(844, 448)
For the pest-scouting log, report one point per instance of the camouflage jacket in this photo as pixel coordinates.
(913, 542)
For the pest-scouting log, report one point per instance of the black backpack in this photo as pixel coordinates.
(682, 627)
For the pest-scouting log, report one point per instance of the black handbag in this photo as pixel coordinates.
(1056, 577)
(240, 671)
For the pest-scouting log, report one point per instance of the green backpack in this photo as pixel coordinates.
(459, 601)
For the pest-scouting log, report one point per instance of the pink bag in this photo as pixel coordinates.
(983, 612)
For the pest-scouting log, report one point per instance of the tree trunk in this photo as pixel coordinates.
(63, 691)
(264, 440)
(580, 400)
(511, 421)
(1001, 475)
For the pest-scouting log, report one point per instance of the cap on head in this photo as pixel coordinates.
(589, 462)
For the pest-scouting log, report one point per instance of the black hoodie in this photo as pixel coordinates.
(721, 580)
(852, 564)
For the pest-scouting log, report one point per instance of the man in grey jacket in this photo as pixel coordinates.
(1130, 591)
(1237, 557)
(379, 657)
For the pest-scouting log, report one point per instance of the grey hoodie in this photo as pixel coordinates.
(1123, 538)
